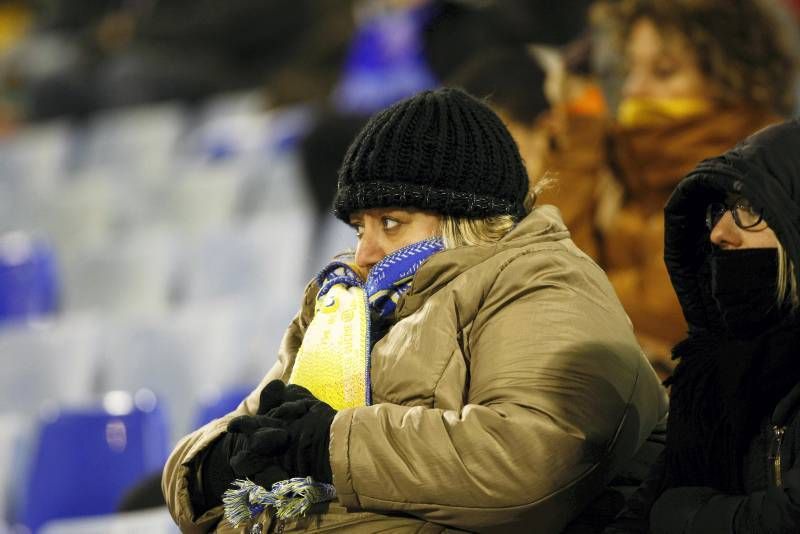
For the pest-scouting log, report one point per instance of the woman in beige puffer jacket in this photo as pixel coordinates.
(509, 388)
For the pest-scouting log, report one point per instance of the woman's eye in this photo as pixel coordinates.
(388, 223)
(666, 68)
(742, 204)
(664, 73)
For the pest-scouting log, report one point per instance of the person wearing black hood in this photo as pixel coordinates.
(732, 248)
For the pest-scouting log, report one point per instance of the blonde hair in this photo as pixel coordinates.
(787, 280)
(463, 231)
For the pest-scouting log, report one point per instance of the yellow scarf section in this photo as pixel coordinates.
(332, 361)
(638, 112)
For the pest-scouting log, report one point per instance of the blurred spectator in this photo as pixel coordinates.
(53, 68)
(794, 6)
(322, 152)
(697, 76)
(309, 55)
(15, 20)
(521, 87)
(114, 53)
(578, 119)
(460, 30)
(386, 60)
(65, 16)
(511, 81)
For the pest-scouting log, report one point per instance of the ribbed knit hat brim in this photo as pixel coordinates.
(442, 151)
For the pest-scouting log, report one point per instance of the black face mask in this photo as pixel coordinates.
(744, 286)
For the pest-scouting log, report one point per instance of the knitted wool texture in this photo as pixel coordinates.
(442, 151)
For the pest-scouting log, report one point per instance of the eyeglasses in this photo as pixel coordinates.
(744, 215)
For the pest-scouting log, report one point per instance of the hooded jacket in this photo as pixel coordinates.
(507, 393)
(765, 169)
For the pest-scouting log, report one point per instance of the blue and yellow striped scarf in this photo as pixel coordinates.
(334, 361)
(350, 316)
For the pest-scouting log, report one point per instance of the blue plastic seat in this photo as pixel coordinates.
(86, 459)
(29, 284)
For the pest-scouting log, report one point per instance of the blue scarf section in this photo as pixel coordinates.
(386, 282)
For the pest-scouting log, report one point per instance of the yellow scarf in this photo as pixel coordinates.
(650, 159)
(644, 112)
(331, 362)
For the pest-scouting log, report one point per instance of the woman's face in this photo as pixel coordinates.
(381, 231)
(728, 235)
(662, 65)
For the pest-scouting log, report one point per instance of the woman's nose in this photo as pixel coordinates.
(635, 86)
(725, 233)
(368, 251)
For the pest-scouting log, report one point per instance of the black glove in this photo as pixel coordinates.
(258, 439)
(217, 474)
(308, 422)
(265, 435)
(276, 393)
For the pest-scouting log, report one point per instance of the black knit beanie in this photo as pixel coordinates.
(442, 151)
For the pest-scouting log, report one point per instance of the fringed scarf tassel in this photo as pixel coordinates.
(290, 498)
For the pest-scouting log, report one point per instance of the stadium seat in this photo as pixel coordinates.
(141, 141)
(180, 356)
(16, 434)
(46, 363)
(29, 278)
(132, 275)
(151, 521)
(84, 459)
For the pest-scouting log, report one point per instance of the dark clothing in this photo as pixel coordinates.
(733, 437)
(71, 16)
(770, 501)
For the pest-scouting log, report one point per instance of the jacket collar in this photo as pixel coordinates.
(543, 224)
